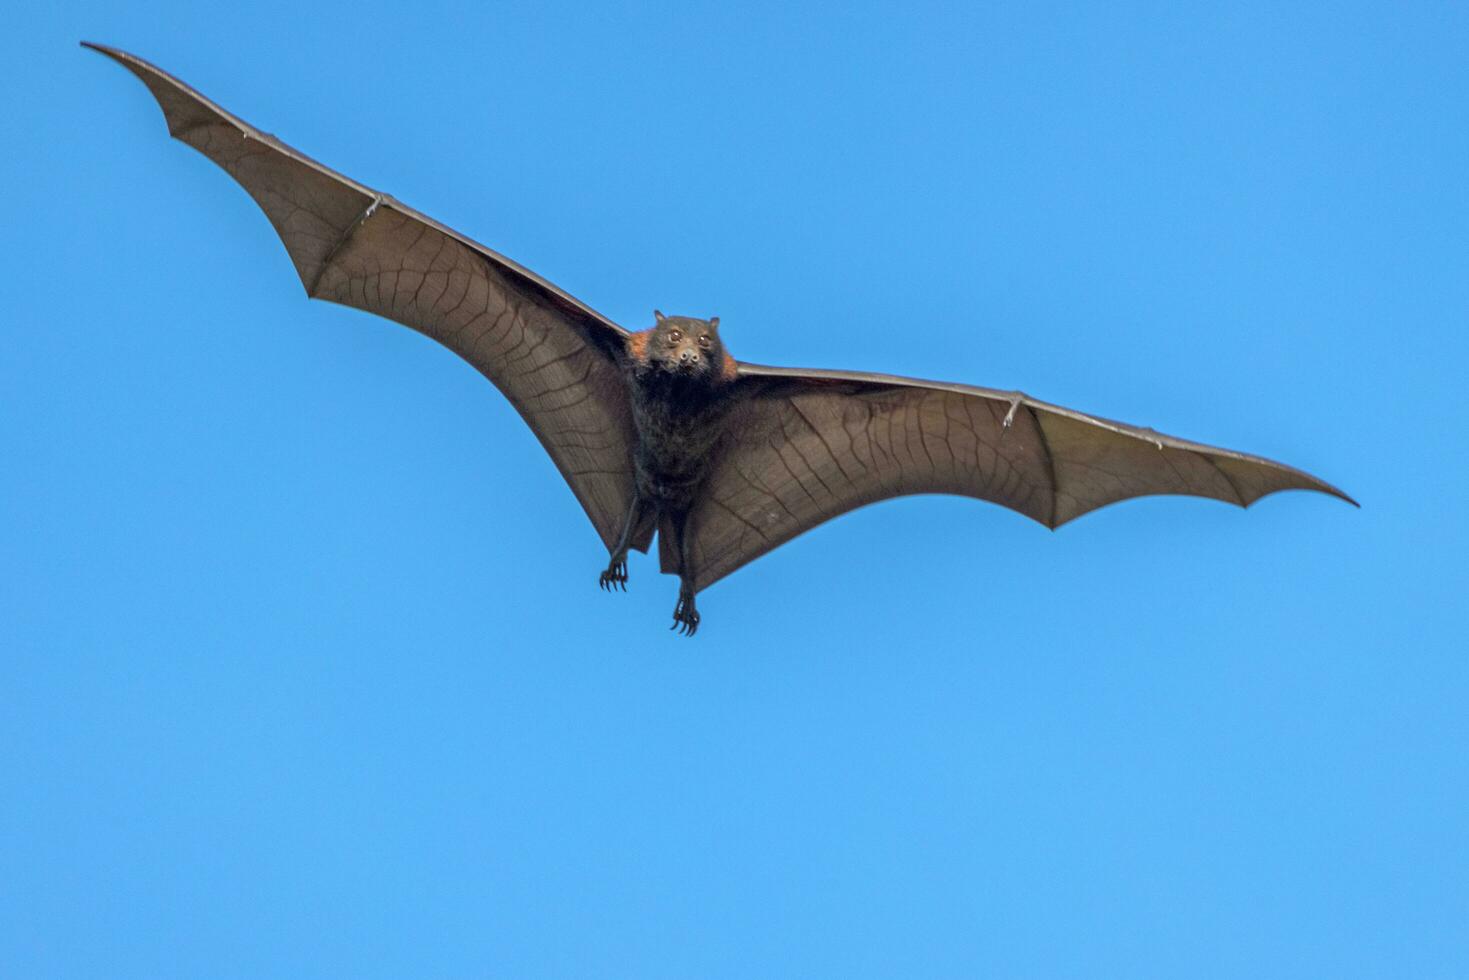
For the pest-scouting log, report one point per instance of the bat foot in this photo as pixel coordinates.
(685, 616)
(614, 578)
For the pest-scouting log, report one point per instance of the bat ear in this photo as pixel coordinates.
(658, 315)
(714, 323)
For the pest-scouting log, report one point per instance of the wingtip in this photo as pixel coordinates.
(116, 54)
(1321, 486)
(1316, 486)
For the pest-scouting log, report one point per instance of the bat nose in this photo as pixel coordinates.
(688, 357)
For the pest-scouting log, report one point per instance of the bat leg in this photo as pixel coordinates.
(615, 577)
(685, 614)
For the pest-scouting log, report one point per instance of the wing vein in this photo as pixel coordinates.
(1050, 463)
(1227, 478)
(341, 243)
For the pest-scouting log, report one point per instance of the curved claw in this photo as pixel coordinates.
(685, 615)
(614, 578)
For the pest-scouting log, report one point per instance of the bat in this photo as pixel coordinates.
(661, 431)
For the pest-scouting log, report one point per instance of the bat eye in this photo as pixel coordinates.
(674, 336)
(704, 341)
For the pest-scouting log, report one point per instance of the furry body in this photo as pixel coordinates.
(679, 378)
(679, 422)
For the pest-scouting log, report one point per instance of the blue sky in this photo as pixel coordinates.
(303, 667)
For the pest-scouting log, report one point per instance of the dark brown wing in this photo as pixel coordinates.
(806, 446)
(552, 356)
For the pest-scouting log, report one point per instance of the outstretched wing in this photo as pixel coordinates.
(555, 358)
(806, 446)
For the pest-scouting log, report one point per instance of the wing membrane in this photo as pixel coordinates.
(807, 446)
(553, 357)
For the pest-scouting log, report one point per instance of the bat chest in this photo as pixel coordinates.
(677, 435)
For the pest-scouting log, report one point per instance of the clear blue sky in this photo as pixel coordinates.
(305, 671)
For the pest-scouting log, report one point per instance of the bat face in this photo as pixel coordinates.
(686, 348)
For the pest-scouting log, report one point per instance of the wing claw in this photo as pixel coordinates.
(1015, 404)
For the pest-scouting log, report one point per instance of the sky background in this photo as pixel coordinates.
(303, 666)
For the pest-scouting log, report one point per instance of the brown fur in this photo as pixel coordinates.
(729, 370)
(637, 345)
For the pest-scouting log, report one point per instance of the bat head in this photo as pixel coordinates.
(686, 347)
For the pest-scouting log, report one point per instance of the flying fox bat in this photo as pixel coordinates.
(661, 430)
